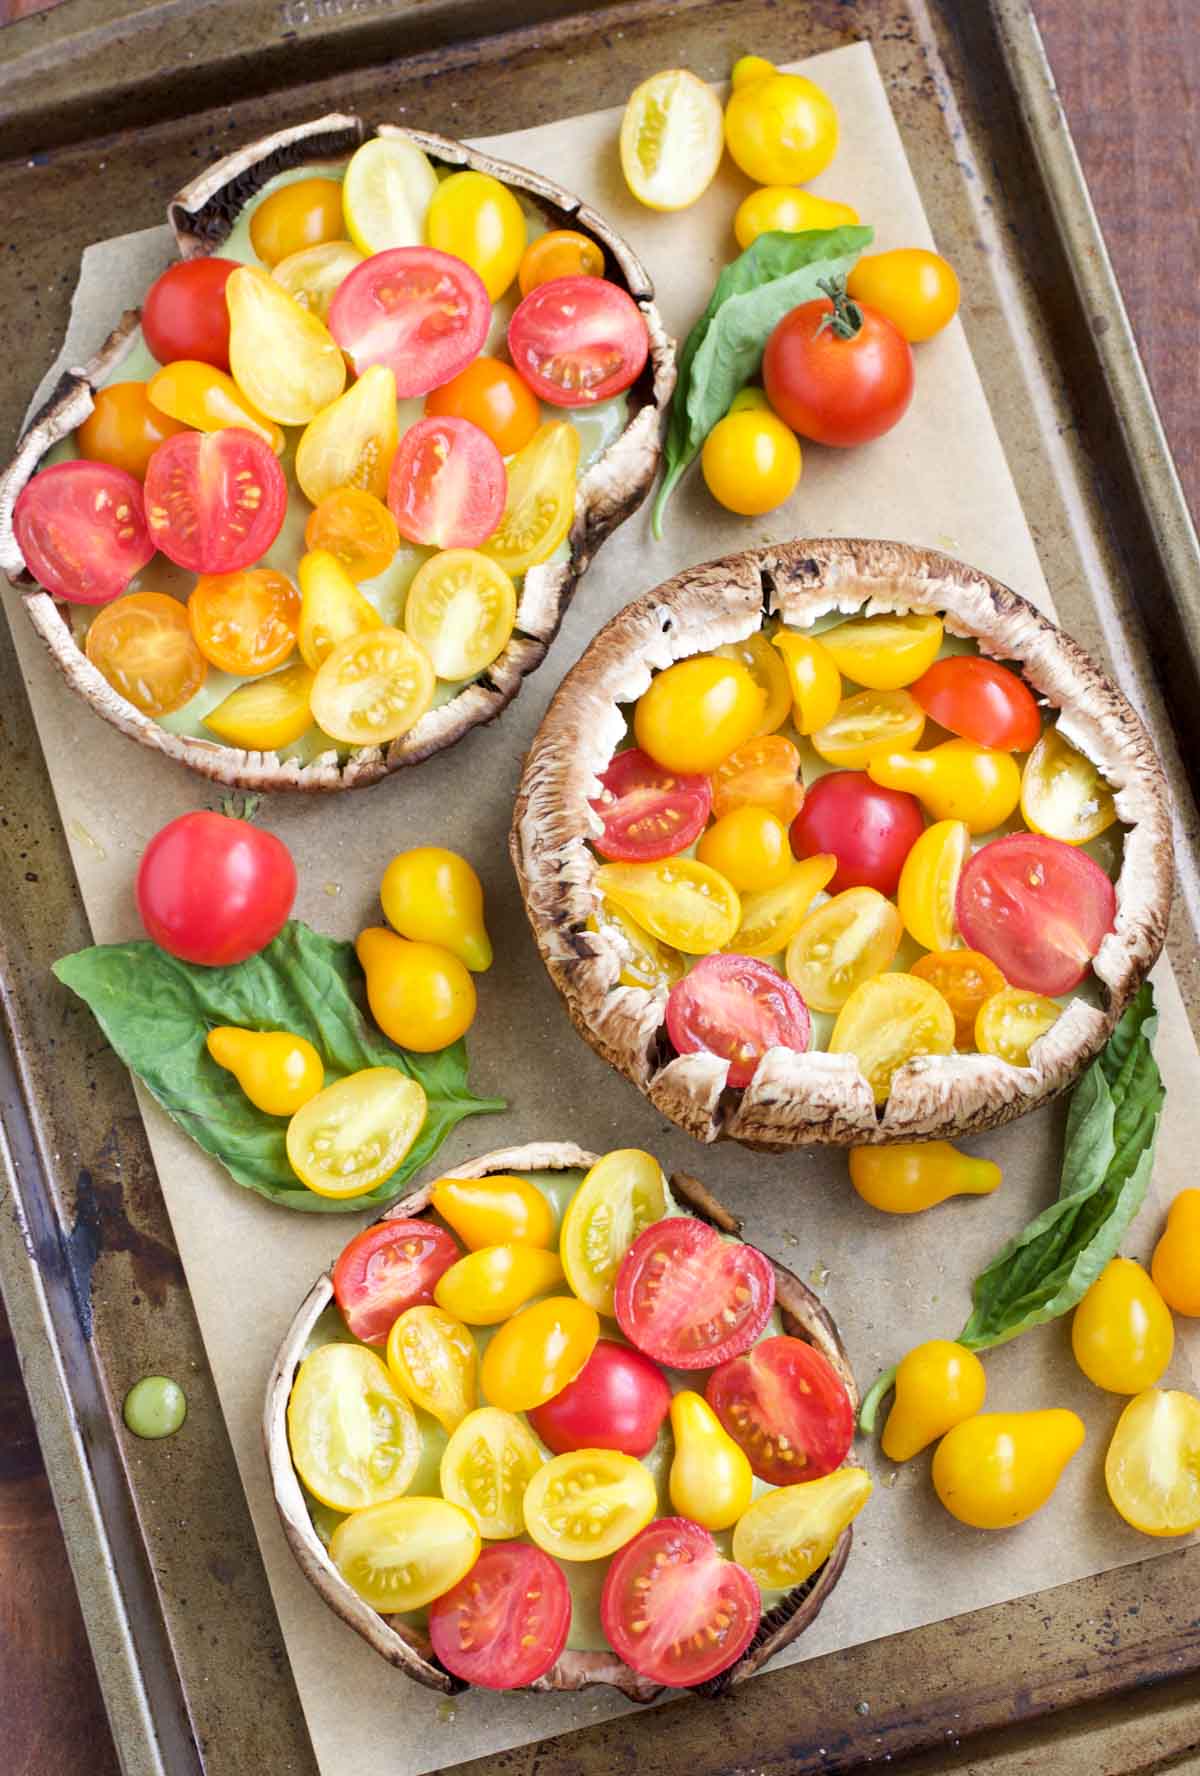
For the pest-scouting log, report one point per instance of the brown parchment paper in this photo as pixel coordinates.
(939, 479)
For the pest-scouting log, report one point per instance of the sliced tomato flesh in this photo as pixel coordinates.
(577, 340)
(1036, 907)
(648, 811)
(447, 484)
(689, 1298)
(215, 501)
(736, 1007)
(387, 1269)
(81, 527)
(423, 313)
(787, 1407)
(505, 1624)
(674, 1608)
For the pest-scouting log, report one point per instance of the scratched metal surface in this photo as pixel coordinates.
(170, 1580)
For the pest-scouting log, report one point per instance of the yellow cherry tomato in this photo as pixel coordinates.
(143, 645)
(354, 1134)
(372, 688)
(420, 994)
(750, 848)
(493, 397)
(563, 252)
(356, 529)
(434, 896)
(386, 194)
(479, 220)
(929, 882)
(494, 1211)
(771, 918)
(908, 1176)
(751, 399)
(620, 1197)
(841, 944)
(886, 652)
(781, 129)
(282, 357)
(748, 68)
(540, 504)
(751, 462)
(867, 723)
(785, 209)
(957, 780)
(277, 1071)
(888, 1021)
(307, 213)
(1176, 1263)
(1063, 794)
(765, 666)
(353, 1437)
(351, 442)
(124, 428)
(696, 712)
(266, 714)
(671, 139)
(711, 1480)
(1122, 1333)
(401, 1555)
(682, 903)
(789, 1532)
(433, 1361)
(1010, 1022)
(996, 1469)
(645, 962)
(916, 290)
(314, 275)
(815, 679)
(535, 1354)
(1152, 1469)
(489, 1285)
(938, 1385)
(965, 979)
(761, 773)
(588, 1503)
(331, 607)
(486, 1466)
(202, 396)
(461, 608)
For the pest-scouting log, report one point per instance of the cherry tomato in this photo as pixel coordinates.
(588, 1503)
(185, 315)
(578, 340)
(916, 290)
(124, 428)
(354, 1134)
(770, 919)
(215, 501)
(766, 667)
(214, 890)
(356, 529)
(618, 1400)
(199, 395)
(492, 396)
(674, 1608)
(313, 275)
(929, 883)
(401, 1555)
(761, 773)
(696, 712)
(277, 1071)
(955, 781)
(996, 1469)
(422, 313)
(1010, 1022)
(671, 139)
(1037, 908)
(489, 1211)
(1122, 1333)
(504, 1625)
(690, 1299)
(966, 979)
(433, 1361)
(621, 1195)
(420, 994)
(540, 506)
(447, 484)
(869, 829)
(1152, 1470)
(842, 380)
(331, 607)
(781, 129)
(475, 218)
(684, 904)
(787, 1534)
(1176, 1263)
(535, 1354)
(489, 1285)
(488, 1462)
(434, 896)
(82, 530)
(462, 609)
(304, 214)
(815, 681)
(938, 1384)
(372, 687)
(353, 1438)
(867, 723)
(737, 1008)
(282, 355)
(1063, 794)
(981, 701)
(645, 962)
(888, 1021)
(750, 849)
(386, 194)
(387, 1269)
(786, 209)
(245, 622)
(710, 1479)
(352, 442)
(648, 811)
(907, 1177)
(563, 252)
(887, 651)
(145, 649)
(751, 462)
(840, 944)
(786, 1406)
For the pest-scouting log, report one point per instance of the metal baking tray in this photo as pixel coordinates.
(170, 1582)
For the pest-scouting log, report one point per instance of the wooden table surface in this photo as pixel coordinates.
(1127, 75)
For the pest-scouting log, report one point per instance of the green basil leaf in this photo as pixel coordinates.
(156, 1012)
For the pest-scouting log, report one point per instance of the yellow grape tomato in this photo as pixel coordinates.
(486, 1466)
(433, 1361)
(815, 679)
(749, 847)
(885, 653)
(477, 219)
(867, 723)
(354, 1134)
(489, 1285)
(535, 1354)
(353, 1436)
(696, 712)
(888, 1021)
(1010, 1022)
(645, 962)
(841, 944)
(620, 1197)
(401, 1555)
(494, 1211)
(588, 1503)
(283, 358)
(772, 917)
(929, 883)
(1063, 794)
(682, 903)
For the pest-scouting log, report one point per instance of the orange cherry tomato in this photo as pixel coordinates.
(245, 622)
(356, 529)
(761, 773)
(494, 398)
(564, 252)
(143, 645)
(124, 428)
(965, 979)
(306, 214)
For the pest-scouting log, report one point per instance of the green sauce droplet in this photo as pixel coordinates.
(155, 1406)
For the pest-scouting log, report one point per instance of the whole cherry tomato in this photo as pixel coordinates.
(617, 1401)
(980, 700)
(869, 829)
(214, 890)
(185, 313)
(838, 373)
(124, 428)
(917, 290)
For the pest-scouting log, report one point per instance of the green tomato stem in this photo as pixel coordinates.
(870, 1406)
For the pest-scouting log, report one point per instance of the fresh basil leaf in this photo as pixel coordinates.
(775, 274)
(156, 1011)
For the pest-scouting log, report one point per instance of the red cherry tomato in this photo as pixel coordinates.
(185, 315)
(980, 701)
(617, 1401)
(215, 501)
(388, 1268)
(576, 340)
(834, 386)
(214, 890)
(81, 527)
(785, 1404)
(648, 811)
(1036, 908)
(447, 484)
(421, 312)
(869, 829)
(738, 1008)
(506, 1623)
(690, 1299)
(674, 1608)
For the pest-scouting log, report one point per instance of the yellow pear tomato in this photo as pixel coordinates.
(277, 1071)
(929, 883)
(711, 1480)
(434, 896)
(401, 1555)
(996, 1469)
(202, 396)
(788, 1533)
(354, 1134)
(957, 780)
(351, 442)
(353, 1436)
(540, 504)
(619, 1198)
(1176, 1263)
(420, 994)
(282, 357)
(486, 1466)
(535, 1354)
(1122, 1333)
(681, 902)
(588, 1503)
(885, 652)
(908, 1176)
(433, 1361)
(489, 1285)
(331, 607)
(815, 679)
(494, 1211)
(938, 1385)
(266, 714)
(786, 209)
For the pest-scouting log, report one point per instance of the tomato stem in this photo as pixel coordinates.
(845, 318)
(870, 1406)
(240, 807)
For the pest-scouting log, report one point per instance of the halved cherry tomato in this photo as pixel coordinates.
(313, 275)
(685, 904)
(750, 849)
(867, 723)
(771, 918)
(674, 1608)
(372, 687)
(200, 395)
(266, 714)
(401, 1555)
(787, 1534)
(761, 773)
(645, 962)
(215, 501)
(124, 428)
(888, 1021)
(540, 506)
(306, 213)
(489, 1285)
(387, 1269)
(689, 1298)
(82, 529)
(887, 651)
(621, 1195)
(490, 1211)
(352, 442)
(433, 1361)
(143, 645)
(386, 194)
(461, 608)
(1010, 1022)
(214, 890)
(1152, 1469)
(981, 701)
(491, 396)
(282, 356)
(787, 1406)
(929, 883)
(353, 1437)
(447, 484)
(1063, 794)
(837, 372)
(563, 252)
(477, 219)
(671, 139)
(422, 313)
(766, 667)
(648, 811)
(588, 1503)
(578, 340)
(737, 1008)
(354, 1134)
(356, 529)
(618, 1400)
(1037, 908)
(185, 315)
(869, 829)
(331, 607)
(245, 622)
(504, 1625)
(534, 1355)
(815, 680)
(965, 979)
(693, 715)
(486, 1466)
(840, 944)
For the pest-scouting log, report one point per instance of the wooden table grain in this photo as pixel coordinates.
(1128, 76)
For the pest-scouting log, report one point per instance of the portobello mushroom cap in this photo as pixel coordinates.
(795, 1100)
(408, 1648)
(614, 485)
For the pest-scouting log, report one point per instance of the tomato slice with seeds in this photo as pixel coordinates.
(506, 1623)
(981, 701)
(674, 1608)
(215, 501)
(245, 622)
(447, 484)
(736, 1007)
(965, 979)
(82, 529)
(578, 340)
(421, 312)
(648, 811)
(385, 1270)
(786, 1406)
(761, 773)
(689, 1298)
(144, 647)
(1037, 908)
